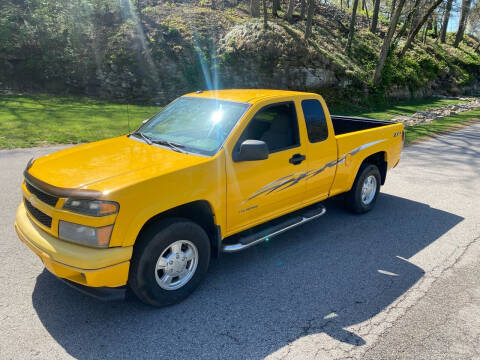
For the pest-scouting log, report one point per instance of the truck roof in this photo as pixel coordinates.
(244, 95)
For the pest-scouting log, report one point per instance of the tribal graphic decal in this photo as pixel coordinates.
(293, 179)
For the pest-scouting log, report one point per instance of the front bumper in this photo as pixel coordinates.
(82, 265)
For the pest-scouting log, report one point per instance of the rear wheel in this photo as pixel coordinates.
(169, 262)
(363, 195)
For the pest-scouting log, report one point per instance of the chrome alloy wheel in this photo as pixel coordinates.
(176, 265)
(369, 189)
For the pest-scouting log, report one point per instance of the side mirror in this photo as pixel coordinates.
(251, 150)
(144, 121)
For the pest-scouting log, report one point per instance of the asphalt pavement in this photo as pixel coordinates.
(401, 282)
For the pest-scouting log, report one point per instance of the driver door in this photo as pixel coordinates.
(258, 191)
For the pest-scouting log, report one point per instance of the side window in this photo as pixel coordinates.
(315, 120)
(276, 125)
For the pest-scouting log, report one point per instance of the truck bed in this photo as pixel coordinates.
(347, 124)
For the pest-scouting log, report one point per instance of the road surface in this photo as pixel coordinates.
(400, 282)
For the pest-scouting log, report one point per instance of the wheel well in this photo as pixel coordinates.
(378, 159)
(199, 212)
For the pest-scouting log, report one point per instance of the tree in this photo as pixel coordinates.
(387, 42)
(376, 9)
(408, 20)
(428, 26)
(365, 8)
(446, 18)
(255, 8)
(265, 23)
(302, 9)
(275, 7)
(352, 26)
(462, 23)
(289, 13)
(416, 29)
(474, 23)
(392, 8)
(310, 11)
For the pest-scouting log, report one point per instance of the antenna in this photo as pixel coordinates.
(128, 117)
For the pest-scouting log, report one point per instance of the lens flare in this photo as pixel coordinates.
(128, 12)
(209, 71)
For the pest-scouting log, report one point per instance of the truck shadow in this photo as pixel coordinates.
(330, 274)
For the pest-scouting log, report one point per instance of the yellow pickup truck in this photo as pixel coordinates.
(212, 172)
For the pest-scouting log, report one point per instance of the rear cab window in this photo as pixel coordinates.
(315, 120)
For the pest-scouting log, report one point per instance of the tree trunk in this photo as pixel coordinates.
(310, 11)
(446, 18)
(352, 26)
(392, 10)
(376, 10)
(275, 7)
(254, 8)
(425, 32)
(418, 27)
(462, 23)
(387, 42)
(407, 22)
(289, 13)
(302, 9)
(265, 24)
(364, 7)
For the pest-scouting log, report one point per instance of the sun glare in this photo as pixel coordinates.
(217, 115)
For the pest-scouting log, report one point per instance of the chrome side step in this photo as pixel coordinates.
(244, 242)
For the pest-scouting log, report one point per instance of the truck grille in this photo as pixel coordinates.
(46, 198)
(37, 214)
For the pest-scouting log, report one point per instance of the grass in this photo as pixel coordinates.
(37, 120)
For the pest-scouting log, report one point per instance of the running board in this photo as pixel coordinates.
(240, 242)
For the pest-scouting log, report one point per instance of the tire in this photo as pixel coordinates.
(357, 202)
(185, 246)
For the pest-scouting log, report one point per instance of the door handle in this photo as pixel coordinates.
(297, 159)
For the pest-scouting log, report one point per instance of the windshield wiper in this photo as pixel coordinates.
(148, 140)
(172, 145)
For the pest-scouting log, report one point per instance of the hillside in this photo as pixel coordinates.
(153, 54)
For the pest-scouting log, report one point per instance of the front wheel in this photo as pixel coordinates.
(363, 195)
(169, 262)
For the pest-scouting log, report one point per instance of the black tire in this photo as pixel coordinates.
(153, 242)
(353, 199)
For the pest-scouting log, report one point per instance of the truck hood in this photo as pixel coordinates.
(83, 166)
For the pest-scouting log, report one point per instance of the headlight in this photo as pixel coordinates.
(91, 207)
(85, 235)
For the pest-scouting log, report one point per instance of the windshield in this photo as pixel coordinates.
(198, 125)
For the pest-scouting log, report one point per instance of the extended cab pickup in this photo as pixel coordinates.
(214, 171)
